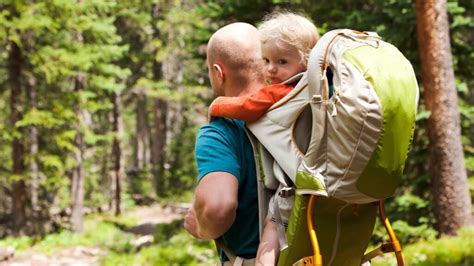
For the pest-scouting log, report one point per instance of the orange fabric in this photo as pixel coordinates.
(249, 108)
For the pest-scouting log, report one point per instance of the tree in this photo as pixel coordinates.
(448, 174)
(77, 173)
(117, 150)
(160, 108)
(19, 191)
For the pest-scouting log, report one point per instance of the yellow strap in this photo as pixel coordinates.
(382, 249)
(317, 258)
(306, 261)
(394, 244)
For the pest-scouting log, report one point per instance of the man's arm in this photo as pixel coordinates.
(214, 207)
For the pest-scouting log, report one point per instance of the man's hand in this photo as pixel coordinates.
(190, 223)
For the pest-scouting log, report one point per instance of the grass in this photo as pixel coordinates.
(96, 234)
(19, 243)
(173, 246)
(104, 232)
(457, 250)
(181, 249)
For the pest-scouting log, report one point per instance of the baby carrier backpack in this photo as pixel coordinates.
(339, 154)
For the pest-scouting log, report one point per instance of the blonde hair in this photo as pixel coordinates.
(292, 29)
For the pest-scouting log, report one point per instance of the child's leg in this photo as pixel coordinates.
(269, 248)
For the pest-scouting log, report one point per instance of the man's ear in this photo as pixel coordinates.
(219, 73)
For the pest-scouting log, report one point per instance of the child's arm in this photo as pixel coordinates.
(269, 248)
(249, 108)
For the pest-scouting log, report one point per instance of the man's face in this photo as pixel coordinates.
(215, 85)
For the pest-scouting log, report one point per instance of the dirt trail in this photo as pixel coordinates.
(148, 217)
(76, 256)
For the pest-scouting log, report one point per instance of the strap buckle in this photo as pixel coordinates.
(286, 192)
(317, 99)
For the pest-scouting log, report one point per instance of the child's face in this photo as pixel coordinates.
(282, 61)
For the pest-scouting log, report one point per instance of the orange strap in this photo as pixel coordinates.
(317, 258)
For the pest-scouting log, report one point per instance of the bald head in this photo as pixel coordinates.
(236, 49)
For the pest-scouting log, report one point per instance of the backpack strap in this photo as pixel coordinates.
(233, 259)
(279, 224)
(366, 37)
(392, 246)
(221, 246)
(284, 192)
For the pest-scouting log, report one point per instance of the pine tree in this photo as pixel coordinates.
(448, 174)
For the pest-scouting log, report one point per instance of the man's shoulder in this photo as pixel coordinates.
(222, 132)
(225, 126)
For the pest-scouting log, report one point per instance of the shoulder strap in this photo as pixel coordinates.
(220, 245)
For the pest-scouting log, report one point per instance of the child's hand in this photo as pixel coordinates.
(209, 113)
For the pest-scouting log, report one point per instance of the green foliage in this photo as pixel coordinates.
(166, 231)
(182, 172)
(181, 249)
(19, 243)
(444, 251)
(175, 247)
(412, 234)
(96, 233)
(409, 228)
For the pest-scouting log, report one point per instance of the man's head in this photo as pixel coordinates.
(234, 59)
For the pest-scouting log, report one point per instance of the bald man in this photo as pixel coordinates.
(225, 205)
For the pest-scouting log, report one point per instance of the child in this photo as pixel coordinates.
(286, 42)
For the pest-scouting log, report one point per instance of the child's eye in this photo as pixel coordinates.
(266, 60)
(282, 61)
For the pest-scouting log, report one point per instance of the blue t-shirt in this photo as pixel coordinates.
(223, 146)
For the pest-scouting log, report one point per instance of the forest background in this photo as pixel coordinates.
(101, 102)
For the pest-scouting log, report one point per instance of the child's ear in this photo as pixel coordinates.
(219, 72)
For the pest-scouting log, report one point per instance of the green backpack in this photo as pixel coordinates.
(341, 154)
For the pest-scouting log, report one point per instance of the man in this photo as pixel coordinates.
(225, 206)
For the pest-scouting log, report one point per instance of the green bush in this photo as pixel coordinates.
(19, 243)
(163, 232)
(457, 250)
(411, 234)
(181, 249)
(411, 220)
(96, 233)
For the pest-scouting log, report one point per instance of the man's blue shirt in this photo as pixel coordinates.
(223, 145)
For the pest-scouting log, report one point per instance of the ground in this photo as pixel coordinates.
(147, 216)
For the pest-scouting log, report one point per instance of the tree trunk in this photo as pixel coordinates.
(77, 186)
(33, 149)
(32, 142)
(160, 109)
(159, 143)
(142, 152)
(19, 198)
(117, 151)
(77, 183)
(105, 180)
(448, 174)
